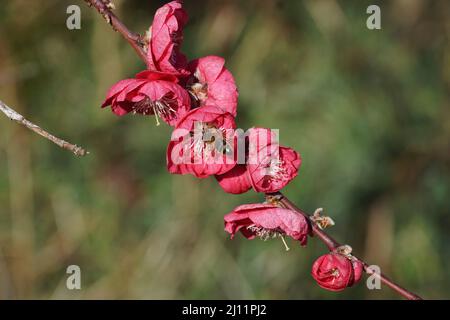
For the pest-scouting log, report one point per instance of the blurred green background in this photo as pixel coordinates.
(368, 111)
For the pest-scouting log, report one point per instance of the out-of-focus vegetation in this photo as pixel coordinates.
(368, 110)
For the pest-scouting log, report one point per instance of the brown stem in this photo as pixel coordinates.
(104, 7)
(14, 115)
(332, 244)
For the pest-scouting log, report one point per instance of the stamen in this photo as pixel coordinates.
(284, 242)
(275, 169)
(161, 108)
(335, 272)
(205, 139)
(156, 115)
(197, 144)
(199, 91)
(266, 234)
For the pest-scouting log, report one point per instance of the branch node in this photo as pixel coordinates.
(320, 220)
(109, 4)
(344, 250)
(274, 199)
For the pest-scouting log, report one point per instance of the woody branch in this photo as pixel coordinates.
(332, 245)
(104, 7)
(14, 115)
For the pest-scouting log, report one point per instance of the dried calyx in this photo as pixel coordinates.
(320, 220)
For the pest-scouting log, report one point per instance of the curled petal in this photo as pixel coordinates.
(119, 87)
(184, 158)
(150, 93)
(213, 84)
(358, 269)
(163, 52)
(236, 180)
(210, 115)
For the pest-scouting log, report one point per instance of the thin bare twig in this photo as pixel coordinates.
(104, 7)
(14, 115)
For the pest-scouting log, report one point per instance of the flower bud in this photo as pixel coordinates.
(336, 272)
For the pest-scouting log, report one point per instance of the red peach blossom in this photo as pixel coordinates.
(202, 143)
(358, 269)
(212, 84)
(266, 221)
(270, 166)
(163, 53)
(275, 171)
(149, 93)
(335, 272)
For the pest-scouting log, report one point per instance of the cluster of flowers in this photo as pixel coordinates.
(199, 100)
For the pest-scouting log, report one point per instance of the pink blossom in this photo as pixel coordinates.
(266, 221)
(269, 166)
(163, 52)
(212, 84)
(202, 143)
(275, 170)
(149, 93)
